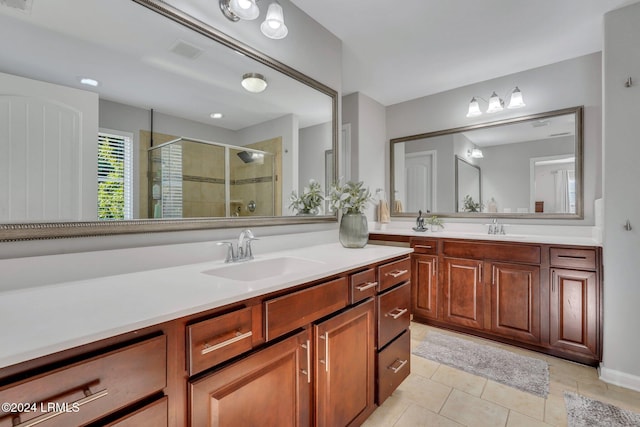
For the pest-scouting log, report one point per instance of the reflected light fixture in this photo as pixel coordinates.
(495, 103)
(254, 82)
(247, 10)
(475, 153)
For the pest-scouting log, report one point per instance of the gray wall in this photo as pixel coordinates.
(545, 89)
(314, 141)
(622, 198)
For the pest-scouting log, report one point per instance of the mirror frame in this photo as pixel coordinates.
(579, 144)
(52, 230)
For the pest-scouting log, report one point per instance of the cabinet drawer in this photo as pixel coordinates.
(363, 285)
(507, 252)
(425, 246)
(393, 273)
(291, 311)
(573, 258)
(394, 365)
(213, 341)
(152, 415)
(88, 390)
(393, 313)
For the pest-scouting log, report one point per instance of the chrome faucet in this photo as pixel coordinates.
(495, 228)
(242, 250)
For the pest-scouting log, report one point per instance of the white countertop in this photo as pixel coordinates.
(561, 235)
(47, 319)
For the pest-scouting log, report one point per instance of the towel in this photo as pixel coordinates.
(383, 212)
(397, 206)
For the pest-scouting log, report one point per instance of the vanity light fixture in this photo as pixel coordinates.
(254, 82)
(273, 25)
(495, 103)
(475, 153)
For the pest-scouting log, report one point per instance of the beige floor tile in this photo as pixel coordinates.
(418, 331)
(460, 380)
(388, 413)
(423, 391)
(555, 412)
(423, 367)
(473, 411)
(624, 399)
(417, 416)
(520, 401)
(517, 419)
(558, 388)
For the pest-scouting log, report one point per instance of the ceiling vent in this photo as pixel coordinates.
(540, 123)
(186, 50)
(24, 5)
(554, 135)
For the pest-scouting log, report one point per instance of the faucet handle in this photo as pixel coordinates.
(248, 253)
(230, 255)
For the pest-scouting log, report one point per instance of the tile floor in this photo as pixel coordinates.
(437, 395)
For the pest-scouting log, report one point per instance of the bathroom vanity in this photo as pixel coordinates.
(315, 336)
(532, 291)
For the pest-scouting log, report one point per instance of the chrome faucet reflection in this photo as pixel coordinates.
(242, 250)
(495, 228)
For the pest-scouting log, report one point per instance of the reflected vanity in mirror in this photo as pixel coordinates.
(526, 167)
(161, 76)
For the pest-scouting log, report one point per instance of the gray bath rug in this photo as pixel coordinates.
(585, 412)
(521, 372)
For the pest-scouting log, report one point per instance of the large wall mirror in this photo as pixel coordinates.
(527, 167)
(167, 140)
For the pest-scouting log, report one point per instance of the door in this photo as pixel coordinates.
(268, 388)
(425, 286)
(574, 311)
(344, 368)
(515, 301)
(463, 292)
(419, 181)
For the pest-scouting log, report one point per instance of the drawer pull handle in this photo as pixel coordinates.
(89, 397)
(367, 285)
(400, 366)
(400, 312)
(423, 246)
(307, 372)
(239, 337)
(397, 273)
(572, 256)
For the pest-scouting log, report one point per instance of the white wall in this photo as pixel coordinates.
(314, 141)
(565, 84)
(621, 363)
(369, 148)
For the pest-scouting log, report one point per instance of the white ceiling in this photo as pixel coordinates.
(394, 51)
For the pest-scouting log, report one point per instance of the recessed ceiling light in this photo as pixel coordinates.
(89, 82)
(216, 115)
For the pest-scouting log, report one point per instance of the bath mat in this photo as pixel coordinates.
(514, 370)
(586, 412)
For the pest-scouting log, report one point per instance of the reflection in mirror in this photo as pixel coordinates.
(468, 186)
(157, 80)
(528, 167)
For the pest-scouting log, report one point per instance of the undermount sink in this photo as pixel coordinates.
(263, 269)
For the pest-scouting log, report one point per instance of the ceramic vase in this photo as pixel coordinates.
(354, 230)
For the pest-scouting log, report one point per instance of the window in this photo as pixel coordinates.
(114, 176)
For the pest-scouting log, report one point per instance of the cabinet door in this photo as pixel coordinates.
(463, 292)
(515, 301)
(344, 367)
(425, 286)
(574, 311)
(268, 388)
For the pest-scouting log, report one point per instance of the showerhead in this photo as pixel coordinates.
(249, 157)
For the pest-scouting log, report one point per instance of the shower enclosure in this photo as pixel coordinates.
(192, 178)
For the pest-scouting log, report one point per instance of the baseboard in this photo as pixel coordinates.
(618, 378)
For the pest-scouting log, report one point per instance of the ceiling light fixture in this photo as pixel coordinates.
(254, 82)
(495, 103)
(89, 82)
(216, 115)
(273, 25)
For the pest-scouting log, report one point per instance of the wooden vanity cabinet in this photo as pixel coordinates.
(574, 315)
(94, 388)
(542, 297)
